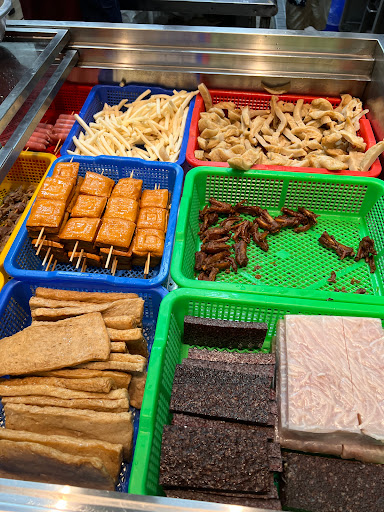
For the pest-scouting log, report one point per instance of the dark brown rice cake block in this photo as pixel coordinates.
(231, 357)
(206, 459)
(245, 500)
(221, 394)
(209, 332)
(319, 484)
(254, 369)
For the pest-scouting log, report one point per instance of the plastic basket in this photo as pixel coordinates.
(169, 350)
(15, 315)
(256, 100)
(296, 265)
(112, 95)
(23, 264)
(29, 169)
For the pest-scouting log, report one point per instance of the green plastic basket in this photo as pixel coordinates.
(169, 350)
(296, 265)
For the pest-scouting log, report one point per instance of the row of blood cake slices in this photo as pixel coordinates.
(67, 223)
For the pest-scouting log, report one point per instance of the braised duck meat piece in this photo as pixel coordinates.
(267, 222)
(311, 220)
(211, 259)
(220, 265)
(229, 222)
(241, 231)
(233, 263)
(367, 251)
(259, 238)
(332, 279)
(287, 222)
(361, 291)
(220, 207)
(242, 207)
(208, 220)
(213, 234)
(200, 258)
(210, 276)
(214, 246)
(330, 242)
(241, 253)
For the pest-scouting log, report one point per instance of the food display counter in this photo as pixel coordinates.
(45, 54)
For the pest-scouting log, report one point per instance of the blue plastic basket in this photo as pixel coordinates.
(23, 264)
(112, 95)
(15, 315)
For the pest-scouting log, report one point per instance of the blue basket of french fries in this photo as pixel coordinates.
(24, 264)
(155, 129)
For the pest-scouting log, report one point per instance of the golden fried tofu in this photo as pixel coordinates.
(116, 232)
(89, 206)
(122, 208)
(46, 213)
(152, 218)
(66, 170)
(92, 260)
(95, 184)
(82, 230)
(147, 241)
(57, 189)
(123, 257)
(128, 188)
(156, 198)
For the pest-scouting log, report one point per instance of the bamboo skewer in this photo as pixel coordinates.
(79, 259)
(73, 251)
(57, 146)
(71, 160)
(39, 237)
(49, 262)
(84, 265)
(109, 257)
(114, 266)
(131, 176)
(46, 256)
(41, 245)
(146, 268)
(27, 148)
(54, 266)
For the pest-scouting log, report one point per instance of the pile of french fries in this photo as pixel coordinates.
(151, 128)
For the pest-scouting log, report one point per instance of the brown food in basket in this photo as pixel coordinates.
(95, 184)
(46, 214)
(115, 232)
(152, 218)
(89, 206)
(155, 198)
(330, 242)
(128, 188)
(122, 208)
(71, 295)
(66, 170)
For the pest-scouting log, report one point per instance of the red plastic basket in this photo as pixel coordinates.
(256, 101)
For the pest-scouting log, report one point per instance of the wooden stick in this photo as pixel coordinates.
(41, 245)
(39, 237)
(146, 268)
(73, 251)
(46, 256)
(131, 176)
(79, 259)
(27, 148)
(109, 257)
(72, 112)
(114, 266)
(54, 266)
(71, 160)
(84, 265)
(49, 262)
(57, 145)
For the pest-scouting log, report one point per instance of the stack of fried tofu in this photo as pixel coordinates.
(74, 374)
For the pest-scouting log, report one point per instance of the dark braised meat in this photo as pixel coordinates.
(233, 263)
(213, 234)
(259, 238)
(214, 258)
(210, 275)
(241, 231)
(229, 222)
(241, 207)
(241, 253)
(367, 252)
(287, 222)
(220, 207)
(220, 265)
(361, 291)
(208, 220)
(215, 246)
(200, 257)
(330, 242)
(267, 222)
(332, 279)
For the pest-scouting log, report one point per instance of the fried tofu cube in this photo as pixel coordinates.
(128, 188)
(95, 184)
(147, 241)
(66, 170)
(122, 208)
(89, 206)
(57, 189)
(46, 213)
(156, 198)
(82, 229)
(152, 218)
(116, 232)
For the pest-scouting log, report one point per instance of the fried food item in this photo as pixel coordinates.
(36, 462)
(57, 392)
(116, 428)
(122, 208)
(110, 454)
(47, 214)
(83, 230)
(65, 343)
(147, 241)
(128, 188)
(124, 257)
(118, 347)
(120, 379)
(125, 335)
(93, 260)
(155, 198)
(124, 362)
(57, 189)
(97, 185)
(89, 206)
(121, 322)
(95, 385)
(116, 232)
(206, 95)
(93, 404)
(76, 194)
(152, 218)
(93, 297)
(136, 389)
(66, 170)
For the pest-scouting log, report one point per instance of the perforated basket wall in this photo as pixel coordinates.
(296, 264)
(23, 264)
(169, 350)
(261, 101)
(15, 315)
(112, 95)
